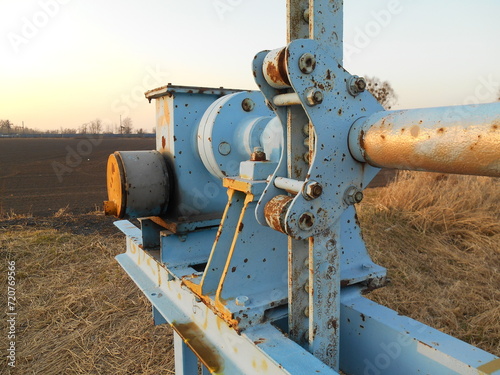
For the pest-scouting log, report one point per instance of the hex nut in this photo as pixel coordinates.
(312, 190)
(258, 154)
(353, 195)
(314, 96)
(356, 85)
(307, 63)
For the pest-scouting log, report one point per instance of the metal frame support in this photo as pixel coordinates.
(186, 362)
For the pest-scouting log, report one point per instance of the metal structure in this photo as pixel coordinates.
(249, 245)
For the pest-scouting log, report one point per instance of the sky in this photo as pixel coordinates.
(64, 63)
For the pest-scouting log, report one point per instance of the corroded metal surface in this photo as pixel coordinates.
(275, 212)
(431, 140)
(274, 69)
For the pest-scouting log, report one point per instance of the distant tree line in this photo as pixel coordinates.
(92, 127)
(382, 90)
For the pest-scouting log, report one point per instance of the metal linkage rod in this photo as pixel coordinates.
(462, 140)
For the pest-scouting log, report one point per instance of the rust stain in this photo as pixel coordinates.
(194, 337)
(275, 212)
(276, 70)
(490, 367)
(163, 142)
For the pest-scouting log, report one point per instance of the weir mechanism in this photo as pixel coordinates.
(249, 244)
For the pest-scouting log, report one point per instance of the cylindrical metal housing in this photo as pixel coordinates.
(462, 140)
(138, 184)
(274, 69)
(275, 212)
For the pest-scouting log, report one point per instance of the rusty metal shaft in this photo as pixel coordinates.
(462, 139)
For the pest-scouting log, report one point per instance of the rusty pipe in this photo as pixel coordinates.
(462, 139)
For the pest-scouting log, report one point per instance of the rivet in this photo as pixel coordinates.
(224, 148)
(248, 105)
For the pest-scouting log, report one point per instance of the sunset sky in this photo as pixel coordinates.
(64, 63)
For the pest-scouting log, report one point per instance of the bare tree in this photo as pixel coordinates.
(95, 126)
(5, 126)
(382, 91)
(127, 126)
(83, 128)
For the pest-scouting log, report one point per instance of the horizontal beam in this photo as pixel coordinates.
(462, 140)
(375, 340)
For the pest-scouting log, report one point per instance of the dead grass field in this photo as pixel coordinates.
(78, 313)
(439, 237)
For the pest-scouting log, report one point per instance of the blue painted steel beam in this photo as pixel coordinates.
(376, 340)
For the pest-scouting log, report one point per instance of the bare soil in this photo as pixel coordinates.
(40, 176)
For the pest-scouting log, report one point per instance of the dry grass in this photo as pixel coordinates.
(79, 313)
(11, 215)
(439, 237)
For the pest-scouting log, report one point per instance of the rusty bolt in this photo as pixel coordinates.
(353, 195)
(306, 286)
(305, 129)
(306, 336)
(306, 221)
(307, 63)
(306, 312)
(314, 96)
(248, 105)
(306, 157)
(242, 300)
(306, 15)
(356, 85)
(312, 190)
(258, 154)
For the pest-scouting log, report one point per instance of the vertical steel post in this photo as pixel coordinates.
(314, 296)
(326, 24)
(298, 299)
(186, 362)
